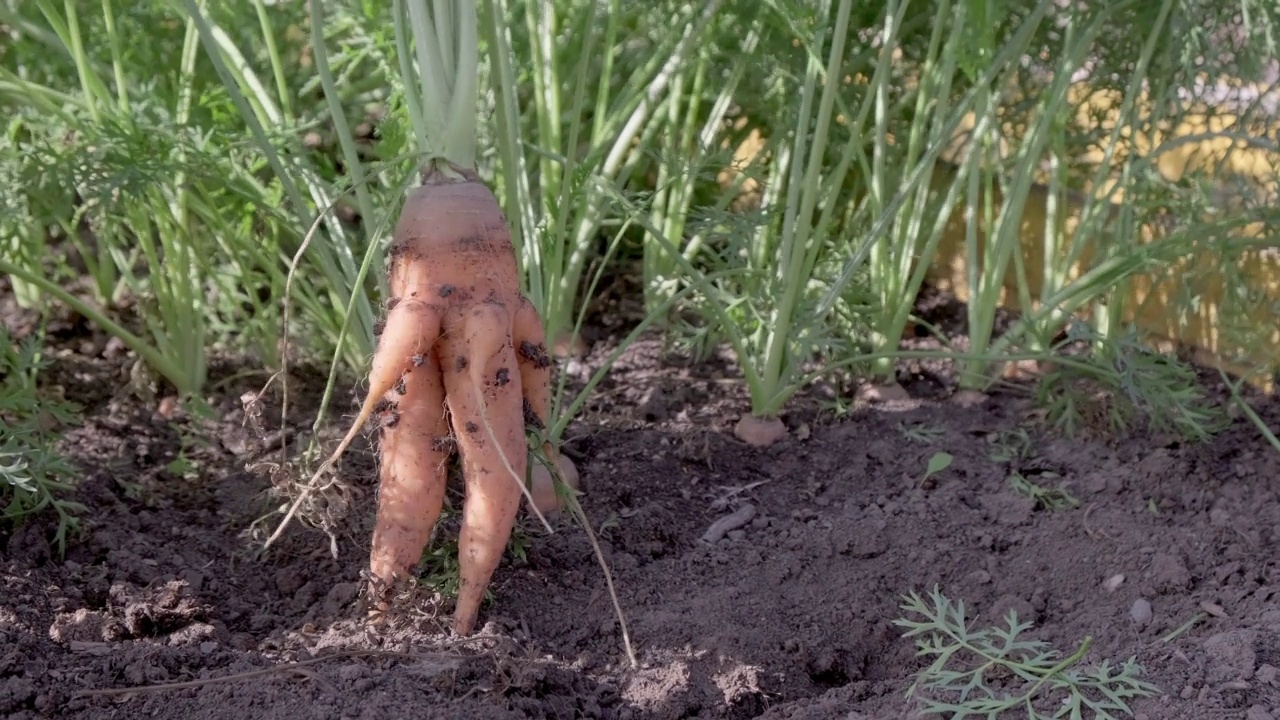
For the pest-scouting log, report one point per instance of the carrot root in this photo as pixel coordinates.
(414, 470)
(483, 389)
(411, 329)
(530, 341)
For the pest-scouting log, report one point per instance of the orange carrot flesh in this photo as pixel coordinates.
(410, 332)
(482, 386)
(414, 469)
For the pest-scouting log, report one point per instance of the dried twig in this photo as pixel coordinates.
(288, 667)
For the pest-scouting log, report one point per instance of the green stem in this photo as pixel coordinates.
(1056, 670)
(350, 155)
(517, 196)
(117, 59)
(1008, 54)
(404, 53)
(799, 209)
(277, 63)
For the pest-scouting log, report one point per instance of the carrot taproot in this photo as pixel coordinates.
(461, 363)
(414, 467)
(483, 393)
(530, 340)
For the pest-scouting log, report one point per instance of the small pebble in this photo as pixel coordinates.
(978, 577)
(737, 535)
(1113, 583)
(1141, 612)
(1267, 674)
(1213, 609)
(1235, 685)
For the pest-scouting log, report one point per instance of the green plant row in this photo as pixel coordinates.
(219, 177)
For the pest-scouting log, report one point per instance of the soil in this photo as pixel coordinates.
(165, 606)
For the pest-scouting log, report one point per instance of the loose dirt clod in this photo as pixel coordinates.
(1141, 612)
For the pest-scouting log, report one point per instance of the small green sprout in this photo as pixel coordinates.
(992, 671)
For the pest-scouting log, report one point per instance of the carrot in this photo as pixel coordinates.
(544, 498)
(461, 363)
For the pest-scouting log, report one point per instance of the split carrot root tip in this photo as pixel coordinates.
(483, 389)
(413, 472)
(411, 329)
(530, 342)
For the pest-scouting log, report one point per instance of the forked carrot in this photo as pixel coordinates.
(462, 362)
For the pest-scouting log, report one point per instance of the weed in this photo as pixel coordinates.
(938, 462)
(33, 475)
(993, 672)
(919, 432)
(1125, 386)
(1058, 498)
(439, 565)
(1011, 446)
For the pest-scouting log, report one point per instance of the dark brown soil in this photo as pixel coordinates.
(789, 615)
